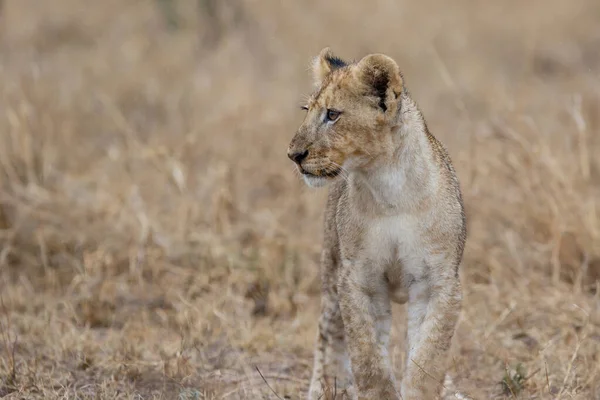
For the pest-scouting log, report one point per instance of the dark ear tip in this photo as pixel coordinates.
(335, 62)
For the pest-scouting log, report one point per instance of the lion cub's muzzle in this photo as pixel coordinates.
(306, 166)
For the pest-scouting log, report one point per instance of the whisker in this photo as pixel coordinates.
(339, 166)
(296, 172)
(343, 171)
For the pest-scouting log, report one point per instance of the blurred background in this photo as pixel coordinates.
(156, 243)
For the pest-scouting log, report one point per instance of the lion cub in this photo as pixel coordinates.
(394, 230)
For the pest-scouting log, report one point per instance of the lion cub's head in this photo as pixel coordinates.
(350, 117)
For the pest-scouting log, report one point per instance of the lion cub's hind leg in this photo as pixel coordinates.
(331, 369)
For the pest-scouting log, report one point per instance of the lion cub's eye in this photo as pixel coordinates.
(305, 108)
(333, 115)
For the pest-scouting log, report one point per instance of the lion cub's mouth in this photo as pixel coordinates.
(322, 173)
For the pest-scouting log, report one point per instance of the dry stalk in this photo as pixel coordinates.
(9, 344)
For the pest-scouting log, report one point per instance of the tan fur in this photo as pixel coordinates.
(394, 229)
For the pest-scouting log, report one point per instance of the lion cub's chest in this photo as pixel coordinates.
(392, 242)
(389, 247)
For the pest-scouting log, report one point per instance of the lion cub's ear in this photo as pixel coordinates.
(324, 64)
(382, 78)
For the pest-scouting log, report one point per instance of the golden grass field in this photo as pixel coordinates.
(156, 243)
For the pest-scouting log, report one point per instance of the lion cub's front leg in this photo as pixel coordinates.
(433, 310)
(364, 302)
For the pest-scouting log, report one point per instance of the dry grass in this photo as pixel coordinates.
(156, 243)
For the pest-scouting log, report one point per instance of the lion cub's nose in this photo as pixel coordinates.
(298, 156)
